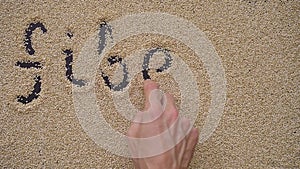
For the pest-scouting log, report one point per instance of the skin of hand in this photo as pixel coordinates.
(179, 157)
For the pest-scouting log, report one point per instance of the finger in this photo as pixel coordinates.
(180, 150)
(133, 130)
(184, 125)
(136, 163)
(157, 101)
(192, 140)
(171, 112)
(149, 85)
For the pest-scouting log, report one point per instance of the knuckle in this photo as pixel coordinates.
(170, 97)
(173, 111)
(131, 132)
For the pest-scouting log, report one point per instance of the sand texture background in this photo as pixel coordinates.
(257, 41)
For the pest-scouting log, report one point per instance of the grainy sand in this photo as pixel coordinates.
(257, 42)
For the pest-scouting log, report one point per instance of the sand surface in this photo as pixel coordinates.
(257, 42)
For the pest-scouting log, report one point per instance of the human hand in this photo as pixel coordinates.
(161, 116)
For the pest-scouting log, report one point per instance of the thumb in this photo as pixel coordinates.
(157, 101)
(153, 107)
